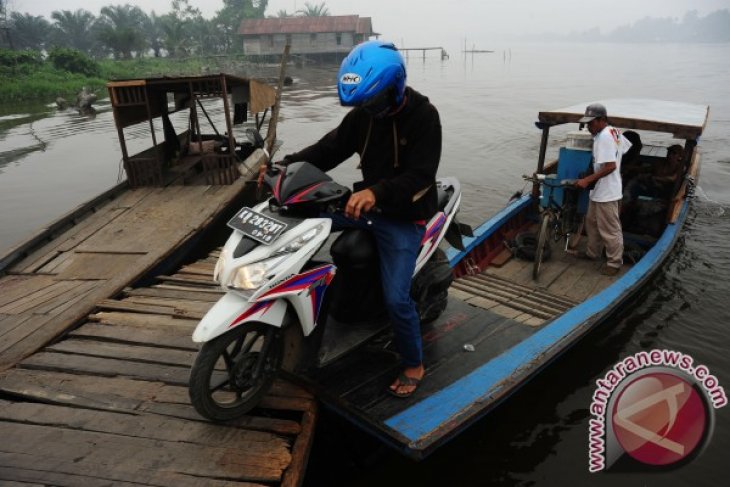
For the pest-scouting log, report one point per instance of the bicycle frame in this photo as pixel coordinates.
(555, 218)
(563, 221)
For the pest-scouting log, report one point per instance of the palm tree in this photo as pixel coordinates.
(310, 10)
(233, 12)
(179, 28)
(29, 31)
(120, 30)
(154, 33)
(208, 39)
(175, 37)
(5, 39)
(73, 29)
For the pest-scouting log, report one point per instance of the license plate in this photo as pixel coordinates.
(253, 224)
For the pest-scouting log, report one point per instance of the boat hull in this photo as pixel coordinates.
(460, 387)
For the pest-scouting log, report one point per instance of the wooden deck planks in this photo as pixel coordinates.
(109, 404)
(186, 295)
(70, 239)
(135, 459)
(356, 384)
(508, 297)
(85, 261)
(511, 291)
(138, 353)
(15, 288)
(169, 336)
(564, 278)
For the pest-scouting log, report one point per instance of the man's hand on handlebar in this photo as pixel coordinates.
(583, 183)
(360, 202)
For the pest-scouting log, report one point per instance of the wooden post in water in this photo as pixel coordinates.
(271, 131)
(226, 109)
(152, 128)
(120, 130)
(541, 158)
(194, 124)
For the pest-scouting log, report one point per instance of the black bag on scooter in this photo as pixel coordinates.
(356, 291)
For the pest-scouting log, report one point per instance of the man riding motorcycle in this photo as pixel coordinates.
(397, 133)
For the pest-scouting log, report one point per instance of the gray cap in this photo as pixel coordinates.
(595, 110)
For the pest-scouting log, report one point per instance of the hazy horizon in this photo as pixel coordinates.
(412, 23)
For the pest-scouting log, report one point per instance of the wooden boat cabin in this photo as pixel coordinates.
(184, 153)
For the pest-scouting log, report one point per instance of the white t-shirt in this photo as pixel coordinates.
(609, 145)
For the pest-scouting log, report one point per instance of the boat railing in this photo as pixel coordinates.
(143, 171)
(220, 168)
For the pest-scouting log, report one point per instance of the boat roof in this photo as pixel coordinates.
(138, 100)
(684, 120)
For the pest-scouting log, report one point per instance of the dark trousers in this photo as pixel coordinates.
(398, 245)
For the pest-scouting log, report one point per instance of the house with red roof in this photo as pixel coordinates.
(326, 35)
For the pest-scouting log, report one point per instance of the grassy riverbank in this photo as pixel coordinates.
(33, 78)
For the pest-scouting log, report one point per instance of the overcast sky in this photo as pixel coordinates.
(427, 22)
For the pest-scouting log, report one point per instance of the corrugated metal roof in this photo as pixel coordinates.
(307, 25)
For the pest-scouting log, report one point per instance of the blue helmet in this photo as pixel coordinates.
(374, 73)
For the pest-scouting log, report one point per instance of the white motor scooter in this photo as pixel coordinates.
(275, 277)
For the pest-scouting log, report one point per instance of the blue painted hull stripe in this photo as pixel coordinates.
(426, 416)
(486, 229)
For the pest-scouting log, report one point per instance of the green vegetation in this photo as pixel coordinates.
(311, 10)
(43, 82)
(73, 61)
(25, 75)
(151, 67)
(126, 32)
(41, 59)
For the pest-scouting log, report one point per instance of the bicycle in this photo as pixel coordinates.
(558, 219)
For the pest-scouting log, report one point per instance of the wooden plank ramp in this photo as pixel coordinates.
(52, 281)
(108, 404)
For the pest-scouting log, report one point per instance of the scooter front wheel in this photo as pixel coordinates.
(232, 372)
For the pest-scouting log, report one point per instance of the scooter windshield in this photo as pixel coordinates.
(301, 182)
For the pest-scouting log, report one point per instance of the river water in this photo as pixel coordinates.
(51, 161)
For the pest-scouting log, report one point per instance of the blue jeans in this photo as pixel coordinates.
(398, 244)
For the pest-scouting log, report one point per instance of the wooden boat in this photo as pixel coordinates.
(174, 192)
(502, 326)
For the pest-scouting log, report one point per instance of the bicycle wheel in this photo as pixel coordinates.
(542, 242)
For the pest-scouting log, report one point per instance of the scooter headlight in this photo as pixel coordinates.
(253, 276)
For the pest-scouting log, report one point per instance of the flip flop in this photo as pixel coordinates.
(404, 380)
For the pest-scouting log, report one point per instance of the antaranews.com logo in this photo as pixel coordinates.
(652, 410)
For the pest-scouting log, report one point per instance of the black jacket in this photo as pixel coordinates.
(399, 155)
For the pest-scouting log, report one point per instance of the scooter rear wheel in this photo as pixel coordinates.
(232, 372)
